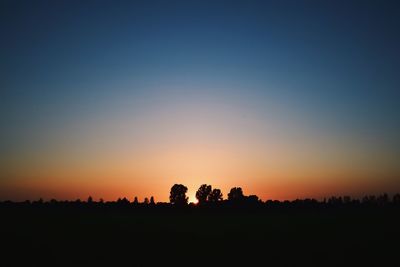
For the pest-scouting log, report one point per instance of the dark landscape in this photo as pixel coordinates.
(247, 232)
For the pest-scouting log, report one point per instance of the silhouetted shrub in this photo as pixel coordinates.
(252, 200)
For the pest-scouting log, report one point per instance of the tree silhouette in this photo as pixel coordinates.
(152, 201)
(252, 199)
(135, 201)
(146, 201)
(346, 199)
(178, 195)
(236, 194)
(383, 199)
(202, 193)
(215, 195)
(396, 199)
(122, 202)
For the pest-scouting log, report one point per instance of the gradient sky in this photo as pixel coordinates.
(287, 99)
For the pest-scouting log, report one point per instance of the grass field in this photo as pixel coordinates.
(192, 237)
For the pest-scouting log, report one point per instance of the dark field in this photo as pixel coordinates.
(115, 236)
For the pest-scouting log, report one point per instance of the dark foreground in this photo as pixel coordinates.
(87, 236)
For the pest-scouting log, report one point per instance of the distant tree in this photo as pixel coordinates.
(123, 201)
(178, 195)
(90, 200)
(101, 200)
(396, 199)
(369, 200)
(152, 201)
(202, 193)
(236, 194)
(383, 199)
(146, 201)
(252, 199)
(215, 195)
(135, 201)
(346, 199)
(335, 201)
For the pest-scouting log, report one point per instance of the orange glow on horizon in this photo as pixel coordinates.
(197, 142)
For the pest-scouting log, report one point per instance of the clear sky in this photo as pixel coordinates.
(287, 99)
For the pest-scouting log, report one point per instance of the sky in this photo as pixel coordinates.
(286, 99)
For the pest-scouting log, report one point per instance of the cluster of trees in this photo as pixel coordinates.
(206, 194)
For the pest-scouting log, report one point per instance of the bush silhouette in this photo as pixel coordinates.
(253, 199)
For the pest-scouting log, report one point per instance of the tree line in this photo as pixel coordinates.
(208, 196)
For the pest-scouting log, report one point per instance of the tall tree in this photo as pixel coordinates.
(202, 193)
(178, 195)
(215, 195)
(236, 194)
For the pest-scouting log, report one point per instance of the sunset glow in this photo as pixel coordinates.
(197, 95)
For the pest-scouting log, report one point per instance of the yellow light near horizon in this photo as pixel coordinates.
(193, 199)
